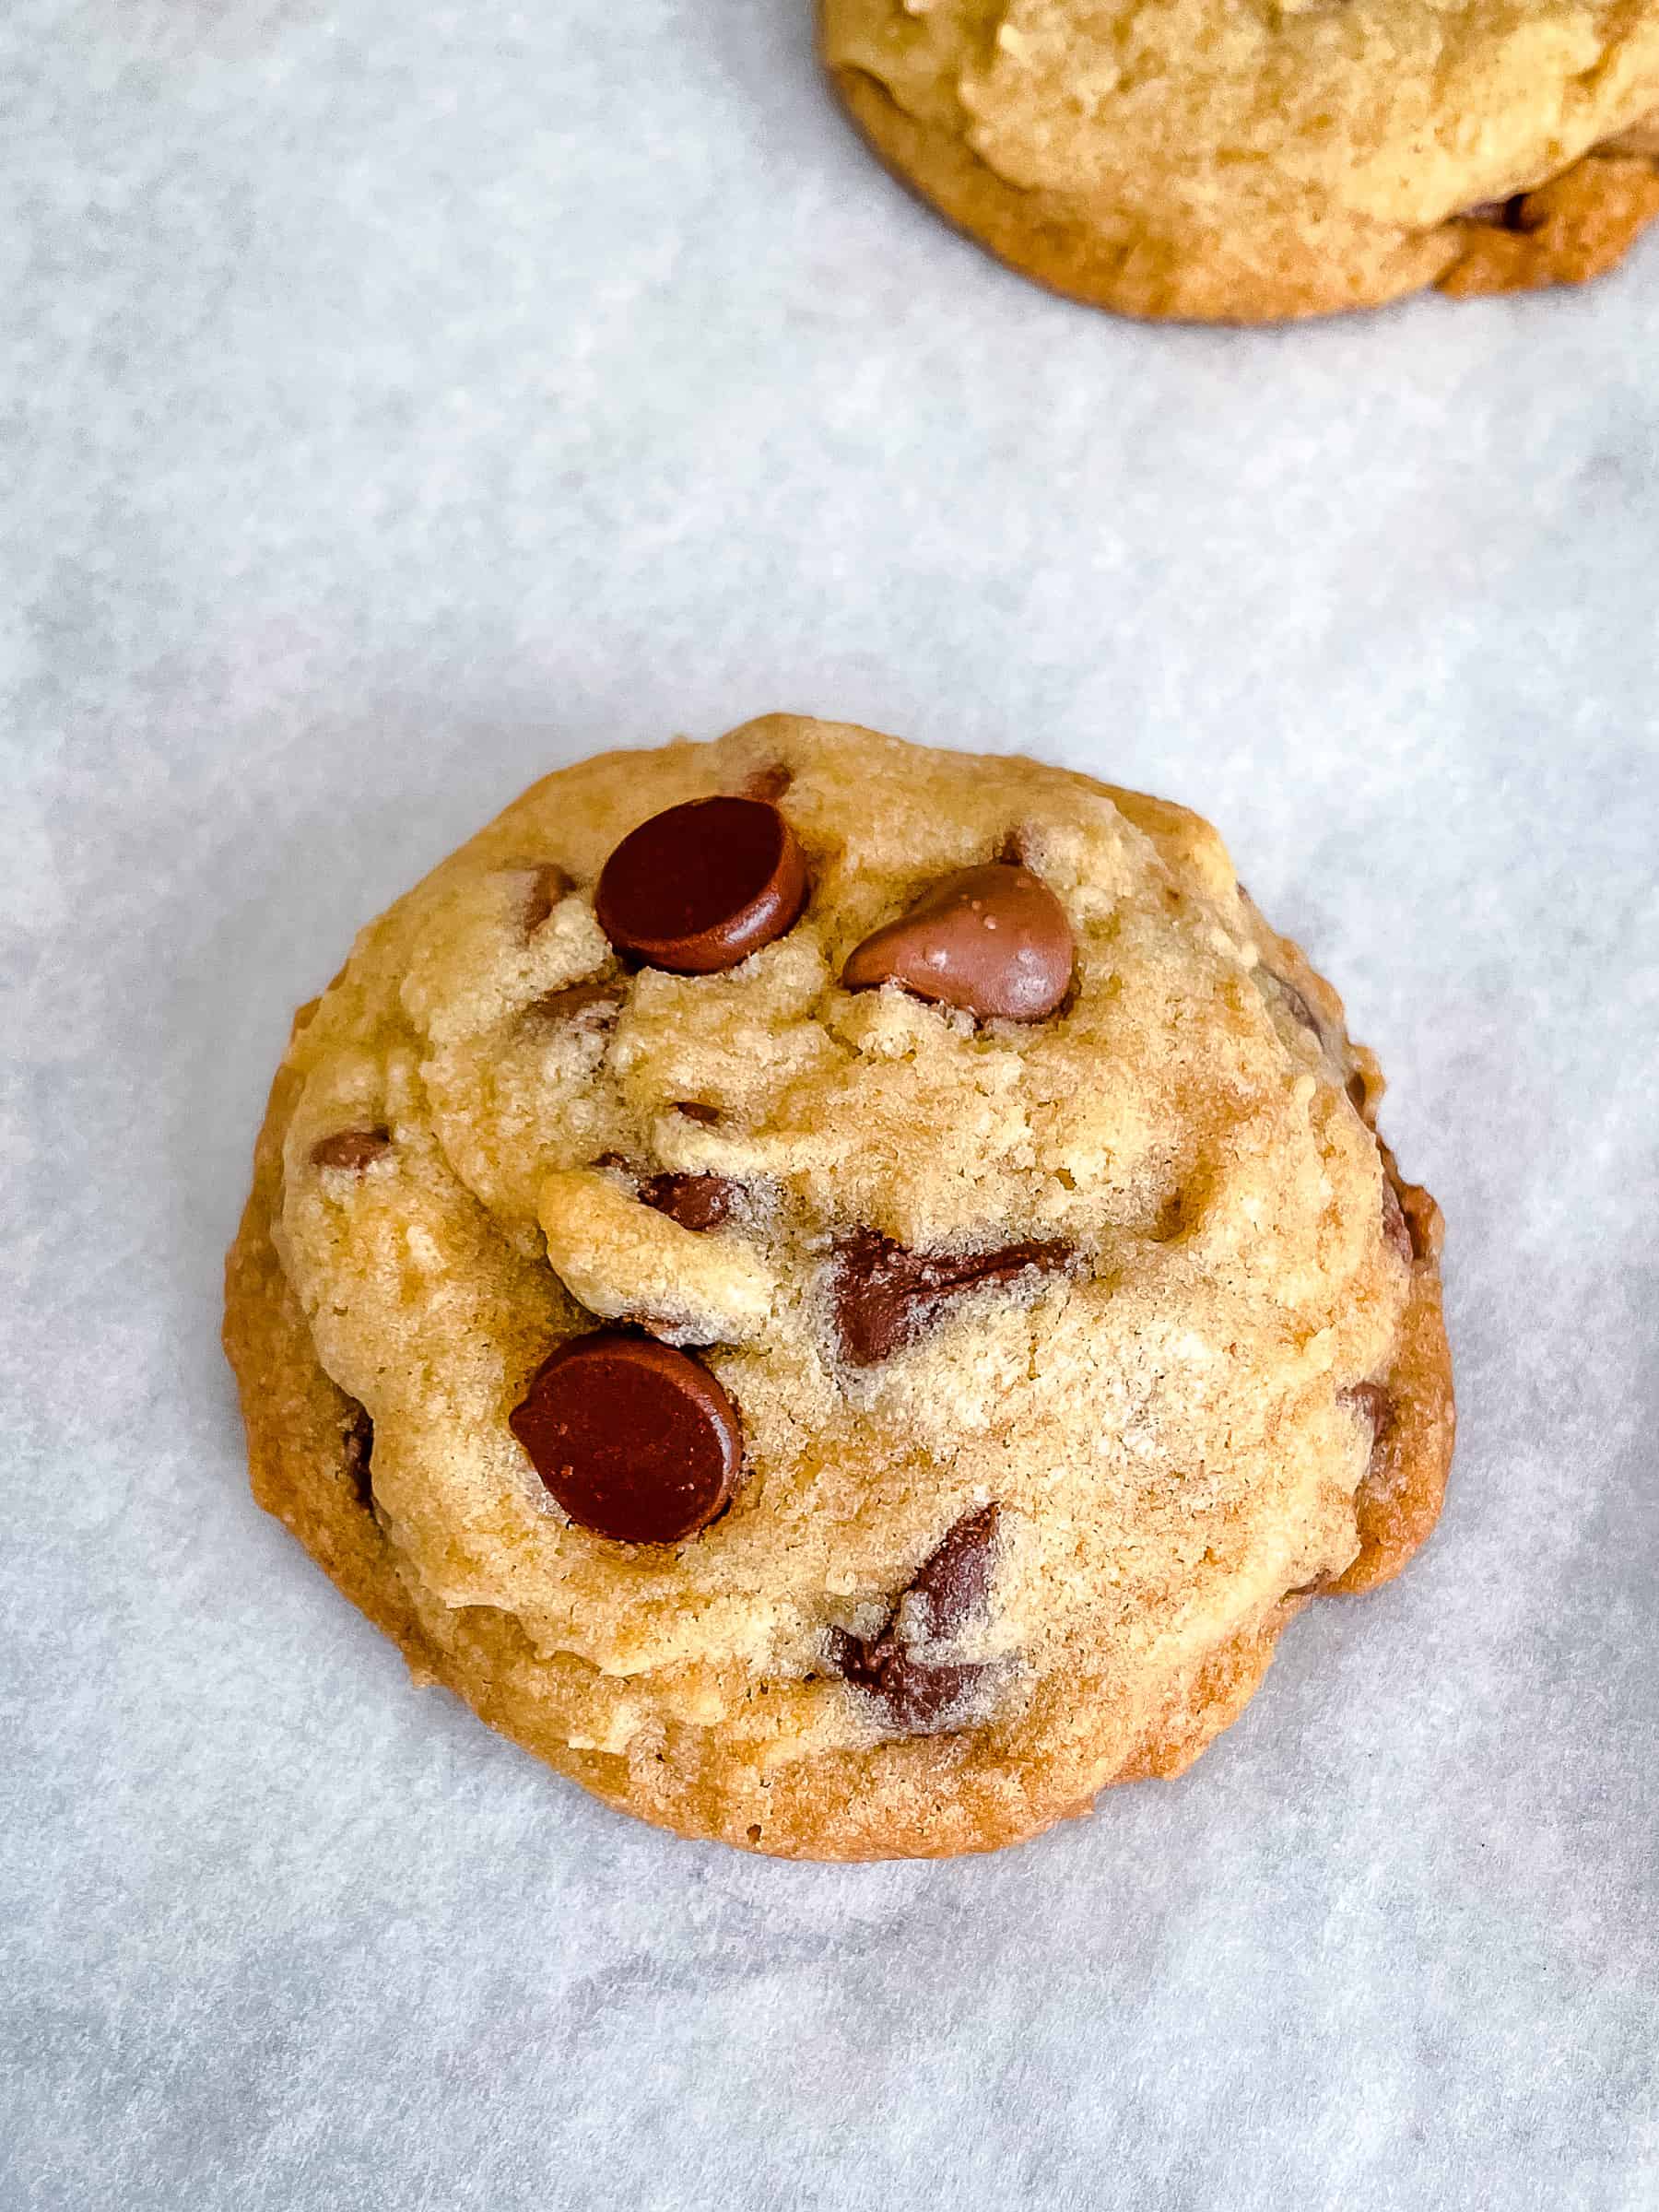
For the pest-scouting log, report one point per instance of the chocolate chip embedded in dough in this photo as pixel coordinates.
(1513, 214)
(634, 1440)
(993, 941)
(694, 1201)
(885, 1296)
(921, 1696)
(351, 1149)
(699, 886)
(572, 1000)
(1396, 1229)
(1373, 1402)
(549, 885)
(954, 1583)
(694, 1111)
(769, 783)
(358, 1444)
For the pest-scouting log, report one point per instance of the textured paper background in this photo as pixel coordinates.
(402, 400)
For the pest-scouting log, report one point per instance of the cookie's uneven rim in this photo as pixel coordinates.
(1569, 227)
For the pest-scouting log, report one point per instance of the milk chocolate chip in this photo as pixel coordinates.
(992, 940)
(700, 886)
(353, 1150)
(694, 1201)
(921, 1696)
(885, 1296)
(633, 1439)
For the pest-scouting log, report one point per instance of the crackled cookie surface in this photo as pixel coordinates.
(841, 1294)
(1248, 162)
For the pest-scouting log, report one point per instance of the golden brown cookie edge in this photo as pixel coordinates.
(1579, 226)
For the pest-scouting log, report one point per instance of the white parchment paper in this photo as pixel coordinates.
(400, 401)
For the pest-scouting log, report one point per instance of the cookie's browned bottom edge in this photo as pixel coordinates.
(299, 1425)
(1574, 228)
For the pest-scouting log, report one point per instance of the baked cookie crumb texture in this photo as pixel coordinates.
(842, 1295)
(1257, 163)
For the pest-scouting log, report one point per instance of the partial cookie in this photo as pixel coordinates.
(1246, 165)
(842, 1295)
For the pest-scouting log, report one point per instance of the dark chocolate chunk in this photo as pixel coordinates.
(918, 1695)
(769, 783)
(885, 1296)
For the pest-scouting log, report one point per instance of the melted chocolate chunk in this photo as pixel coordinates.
(694, 1201)
(769, 784)
(573, 999)
(1373, 1402)
(353, 1150)
(954, 1583)
(917, 1695)
(885, 1296)
(358, 1448)
(694, 1111)
(549, 885)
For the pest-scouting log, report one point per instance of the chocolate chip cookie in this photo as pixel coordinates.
(842, 1295)
(1243, 164)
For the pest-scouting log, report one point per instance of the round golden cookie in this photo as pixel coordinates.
(1222, 162)
(861, 1378)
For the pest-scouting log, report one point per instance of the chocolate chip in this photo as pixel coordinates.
(700, 886)
(353, 1150)
(770, 784)
(954, 1583)
(694, 1111)
(574, 999)
(358, 1445)
(633, 1439)
(1298, 1007)
(992, 940)
(917, 1696)
(1396, 1229)
(923, 1697)
(1513, 214)
(1372, 1401)
(694, 1201)
(547, 886)
(885, 1296)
